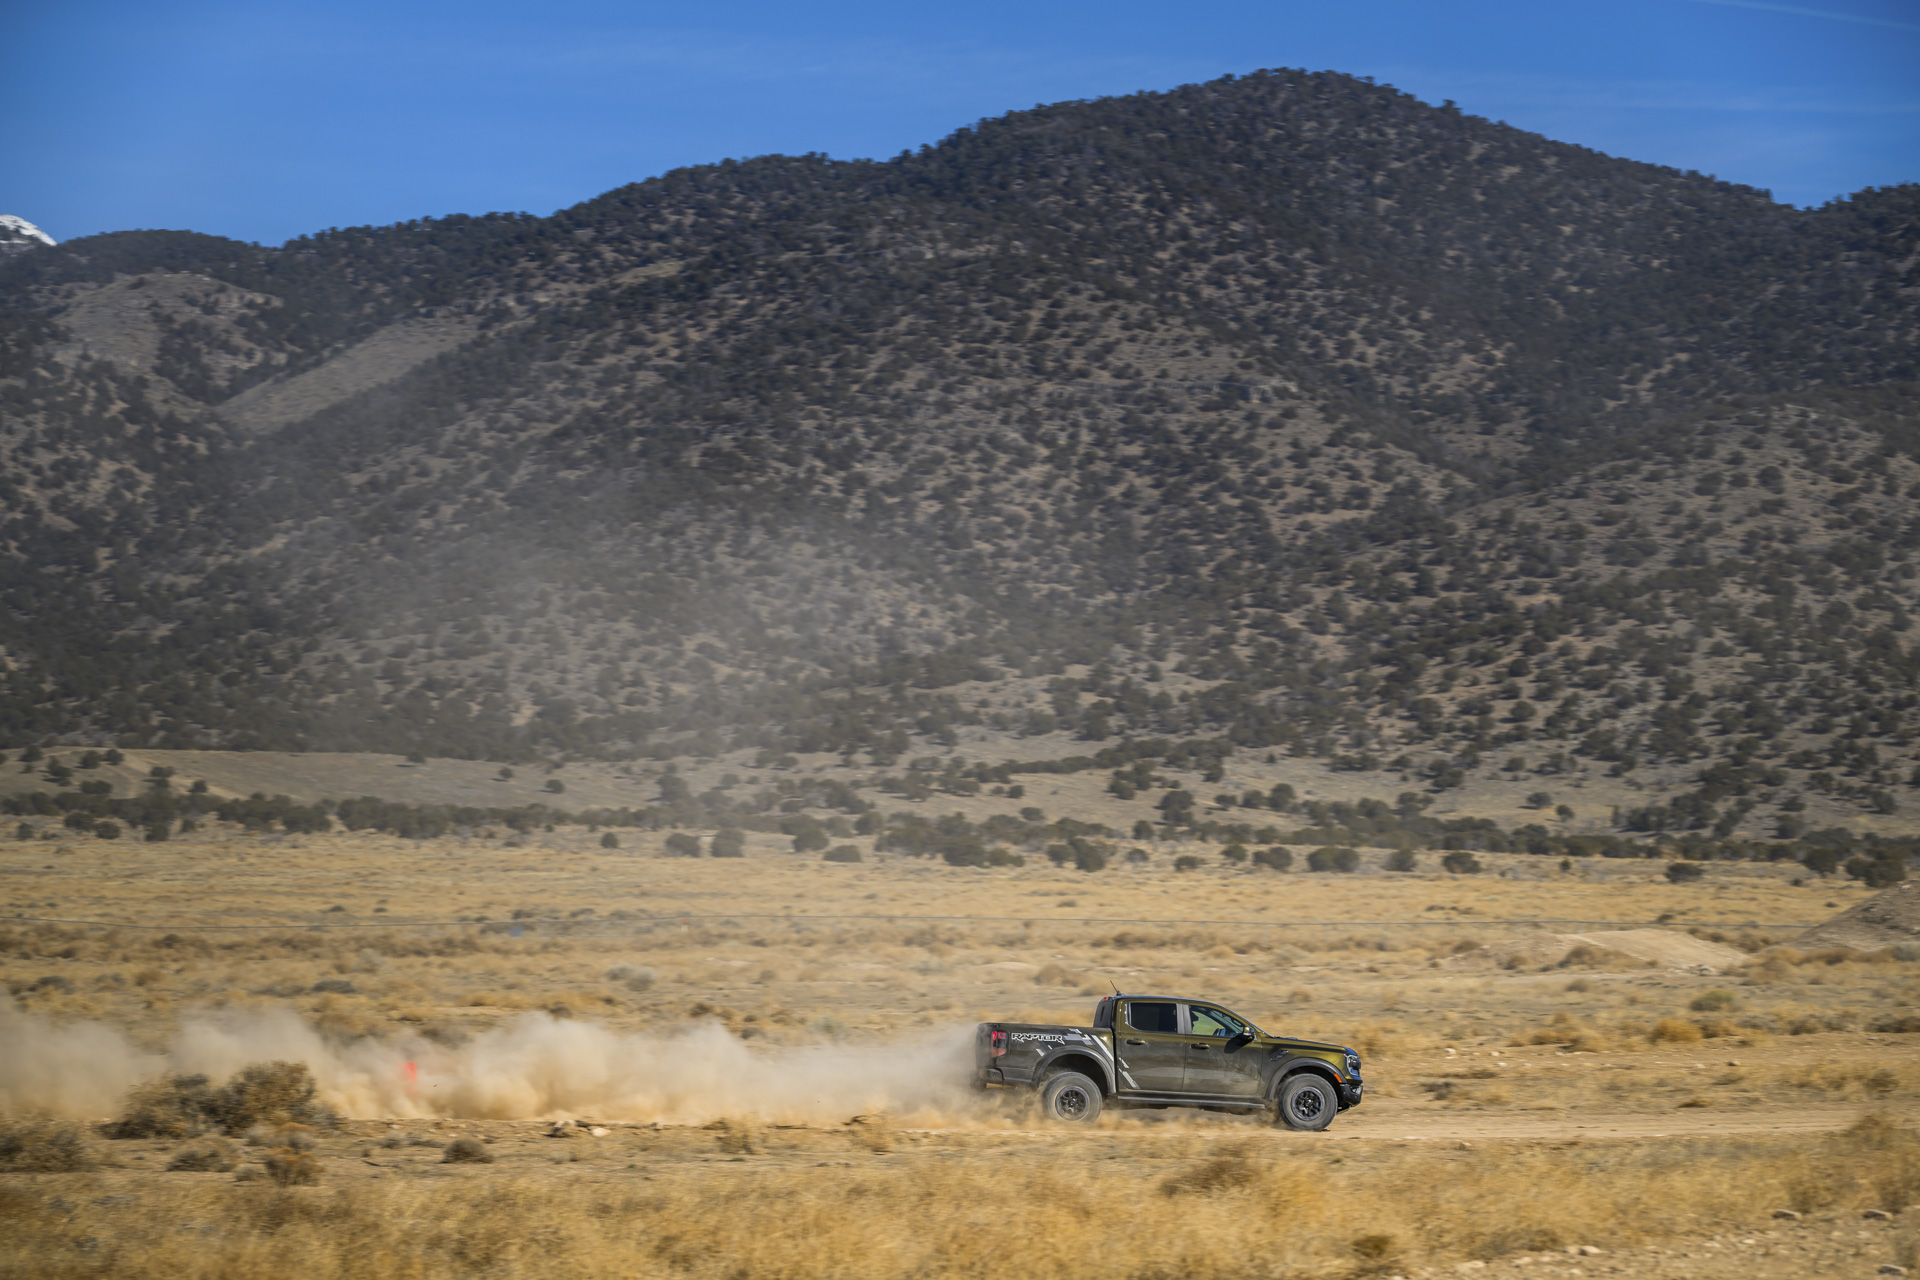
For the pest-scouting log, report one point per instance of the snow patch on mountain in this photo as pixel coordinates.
(18, 235)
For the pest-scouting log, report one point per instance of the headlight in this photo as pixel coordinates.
(1353, 1063)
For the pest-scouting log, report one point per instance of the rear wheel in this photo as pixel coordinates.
(1307, 1103)
(1070, 1097)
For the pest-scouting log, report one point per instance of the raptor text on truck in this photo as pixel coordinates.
(1161, 1051)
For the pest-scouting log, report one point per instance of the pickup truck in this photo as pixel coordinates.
(1168, 1051)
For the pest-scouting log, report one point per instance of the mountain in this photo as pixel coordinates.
(18, 235)
(1285, 409)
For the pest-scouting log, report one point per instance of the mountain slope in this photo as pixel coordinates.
(1336, 404)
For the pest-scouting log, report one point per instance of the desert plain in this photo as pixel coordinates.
(758, 1067)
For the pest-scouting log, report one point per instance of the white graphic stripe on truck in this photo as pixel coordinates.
(1060, 1039)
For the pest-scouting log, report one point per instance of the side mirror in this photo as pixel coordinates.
(1243, 1038)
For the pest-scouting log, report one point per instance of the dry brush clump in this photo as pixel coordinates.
(209, 1155)
(185, 1106)
(1572, 1034)
(466, 1151)
(292, 1168)
(36, 1144)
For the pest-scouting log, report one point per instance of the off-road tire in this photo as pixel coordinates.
(1071, 1098)
(1307, 1102)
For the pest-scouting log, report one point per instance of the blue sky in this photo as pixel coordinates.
(265, 119)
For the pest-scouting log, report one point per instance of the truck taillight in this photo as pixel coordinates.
(996, 1043)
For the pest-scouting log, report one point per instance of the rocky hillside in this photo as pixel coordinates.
(1283, 409)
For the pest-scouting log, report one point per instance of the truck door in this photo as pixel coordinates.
(1221, 1061)
(1152, 1050)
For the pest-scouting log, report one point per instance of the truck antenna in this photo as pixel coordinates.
(1114, 985)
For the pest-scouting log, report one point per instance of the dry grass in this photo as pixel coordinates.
(948, 1211)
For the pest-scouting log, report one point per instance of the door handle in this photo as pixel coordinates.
(1198, 1048)
(1136, 1042)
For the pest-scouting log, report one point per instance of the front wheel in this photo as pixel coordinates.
(1307, 1103)
(1071, 1097)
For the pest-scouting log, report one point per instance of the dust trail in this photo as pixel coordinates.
(535, 1067)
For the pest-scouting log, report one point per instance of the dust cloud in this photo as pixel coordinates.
(535, 1067)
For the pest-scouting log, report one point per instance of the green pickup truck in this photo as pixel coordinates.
(1168, 1051)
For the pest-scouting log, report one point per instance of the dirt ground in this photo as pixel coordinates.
(1658, 1112)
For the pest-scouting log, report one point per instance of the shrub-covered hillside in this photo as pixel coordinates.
(1286, 409)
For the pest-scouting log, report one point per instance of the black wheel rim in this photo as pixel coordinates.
(1072, 1103)
(1307, 1105)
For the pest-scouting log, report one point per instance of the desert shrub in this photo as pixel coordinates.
(1714, 1001)
(871, 1134)
(394, 1141)
(1278, 857)
(1674, 1031)
(1234, 853)
(296, 1136)
(1333, 859)
(1398, 860)
(1896, 1023)
(728, 842)
(681, 845)
(170, 1106)
(1054, 975)
(1462, 863)
(1186, 862)
(1684, 872)
(177, 1106)
(1879, 873)
(1775, 968)
(40, 1145)
(1565, 1030)
(466, 1151)
(609, 841)
(737, 1137)
(637, 977)
(209, 1155)
(291, 1168)
(841, 853)
(276, 1093)
(1372, 1247)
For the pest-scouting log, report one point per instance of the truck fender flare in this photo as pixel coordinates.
(1288, 1070)
(1076, 1058)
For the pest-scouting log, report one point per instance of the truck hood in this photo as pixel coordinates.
(1295, 1042)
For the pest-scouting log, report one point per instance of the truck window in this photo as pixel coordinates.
(1151, 1015)
(1211, 1022)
